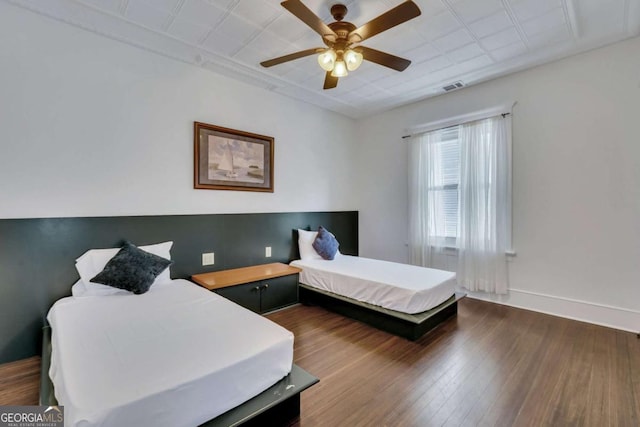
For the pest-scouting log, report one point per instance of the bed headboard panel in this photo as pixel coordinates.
(37, 256)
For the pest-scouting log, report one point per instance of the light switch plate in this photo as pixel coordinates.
(267, 252)
(208, 259)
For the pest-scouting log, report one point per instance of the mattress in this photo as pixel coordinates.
(177, 355)
(400, 287)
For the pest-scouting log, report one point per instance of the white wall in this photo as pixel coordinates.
(93, 127)
(576, 182)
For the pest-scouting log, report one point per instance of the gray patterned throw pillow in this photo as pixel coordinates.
(132, 269)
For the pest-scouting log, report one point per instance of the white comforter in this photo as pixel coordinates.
(401, 287)
(176, 356)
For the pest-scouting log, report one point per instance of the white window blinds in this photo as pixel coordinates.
(449, 158)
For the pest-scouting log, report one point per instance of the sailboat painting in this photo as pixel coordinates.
(228, 159)
(231, 159)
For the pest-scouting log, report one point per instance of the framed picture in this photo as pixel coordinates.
(229, 159)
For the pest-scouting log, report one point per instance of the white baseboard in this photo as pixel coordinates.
(584, 311)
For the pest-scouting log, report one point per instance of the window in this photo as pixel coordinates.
(448, 157)
(460, 196)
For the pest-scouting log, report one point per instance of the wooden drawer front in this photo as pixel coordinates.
(247, 295)
(281, 291)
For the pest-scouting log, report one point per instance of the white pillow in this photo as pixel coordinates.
(78, 289)
(305, 245)
(93, 262)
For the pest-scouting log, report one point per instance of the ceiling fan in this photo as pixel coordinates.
(343, 54)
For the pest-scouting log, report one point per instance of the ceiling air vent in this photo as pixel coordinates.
(453, 86)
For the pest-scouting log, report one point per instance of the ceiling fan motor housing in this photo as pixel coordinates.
(342, 29)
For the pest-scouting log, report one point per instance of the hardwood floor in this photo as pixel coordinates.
(20, 382)
(490, 366)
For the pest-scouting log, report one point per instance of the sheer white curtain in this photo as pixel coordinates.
(483, 205)
(459, 196)
(426, 207)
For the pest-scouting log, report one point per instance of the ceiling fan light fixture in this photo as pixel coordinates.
(340, 69)
(353, 59)
(338, 57)
(327, 59)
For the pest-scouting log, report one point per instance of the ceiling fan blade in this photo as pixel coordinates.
(329, 81)
(291, 57)
(383, 58)
(399, 14)
(304, 14)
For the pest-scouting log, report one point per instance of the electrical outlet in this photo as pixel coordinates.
(267, 252)
(208, 259)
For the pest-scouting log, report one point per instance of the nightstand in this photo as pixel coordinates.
(260, 288)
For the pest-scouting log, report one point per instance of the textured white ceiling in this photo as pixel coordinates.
(453, 40)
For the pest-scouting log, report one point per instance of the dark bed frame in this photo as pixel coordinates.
(409, 326)
(278, 405)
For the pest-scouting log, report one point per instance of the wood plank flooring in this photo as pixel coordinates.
(20, 382)
(491, 365)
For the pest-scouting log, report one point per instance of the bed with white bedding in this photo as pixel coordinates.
(170, 357)
(400, 287)
(388, 296)
(402, 299)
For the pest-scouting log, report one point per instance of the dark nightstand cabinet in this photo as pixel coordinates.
(248, 295)
(259, 288)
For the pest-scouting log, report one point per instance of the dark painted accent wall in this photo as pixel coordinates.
(37, 256)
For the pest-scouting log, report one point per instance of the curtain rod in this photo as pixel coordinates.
(502, 114)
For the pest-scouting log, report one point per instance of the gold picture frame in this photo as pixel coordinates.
(230, 159)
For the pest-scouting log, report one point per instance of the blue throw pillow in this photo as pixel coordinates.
(325, 244)
(132, 269)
